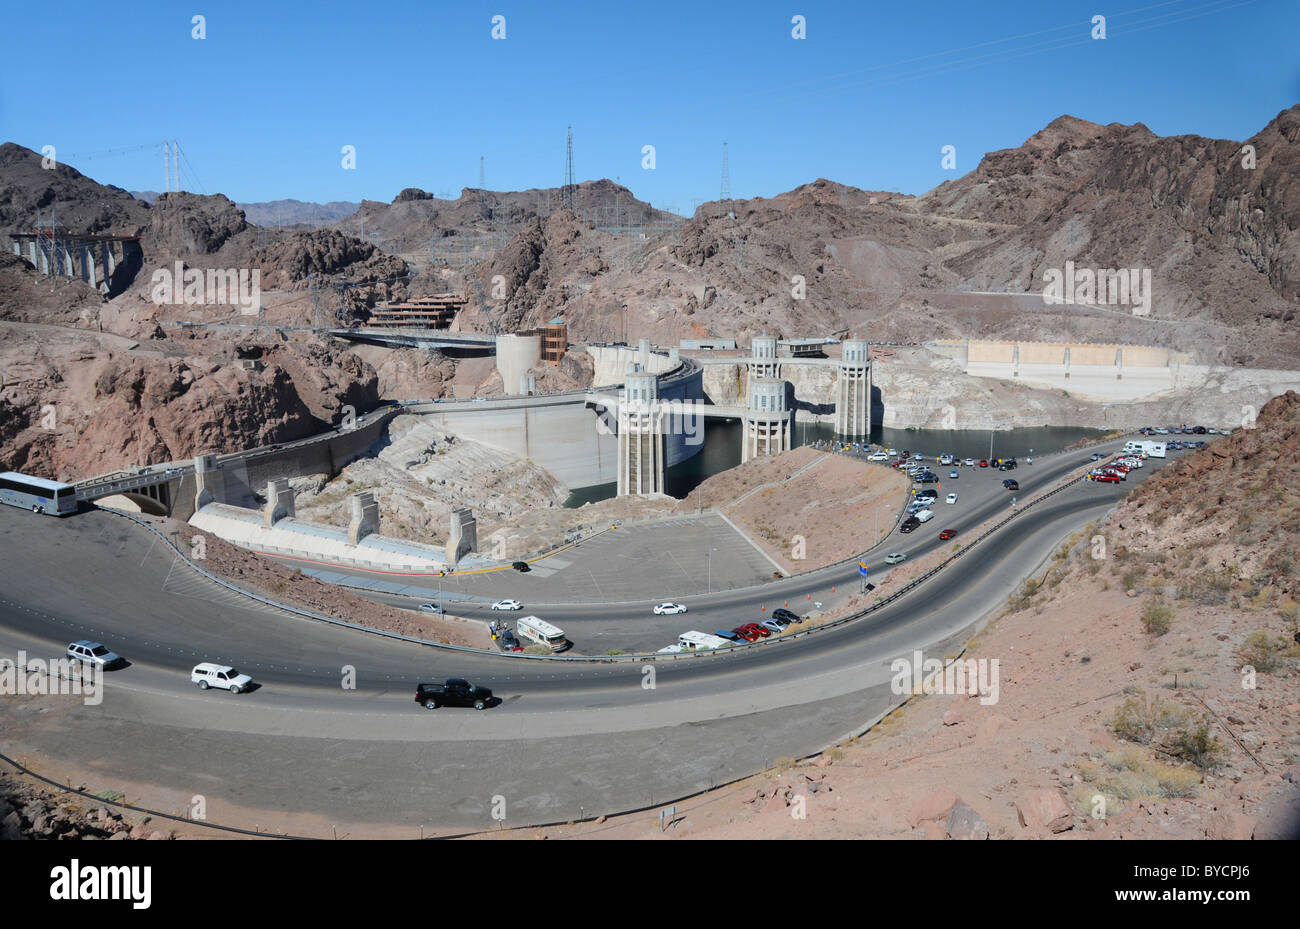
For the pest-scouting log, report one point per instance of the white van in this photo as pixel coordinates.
(1150, 449)
(698, 641)
(542, 633)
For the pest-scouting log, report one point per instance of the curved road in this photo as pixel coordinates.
(569, 739)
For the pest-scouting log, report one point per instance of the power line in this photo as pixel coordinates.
(725, 193)
(568, 170)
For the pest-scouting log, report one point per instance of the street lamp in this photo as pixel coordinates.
(711, 551)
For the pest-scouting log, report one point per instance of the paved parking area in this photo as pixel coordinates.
(682, 556)
(641, 561)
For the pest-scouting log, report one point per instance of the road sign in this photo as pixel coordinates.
(862, 569)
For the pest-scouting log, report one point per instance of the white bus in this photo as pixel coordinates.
(37, 494)
(696, 641)
(541, 632)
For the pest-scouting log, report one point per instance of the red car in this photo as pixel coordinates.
(1106, 478)
(754, 629)
(984, 462)
(947, 534)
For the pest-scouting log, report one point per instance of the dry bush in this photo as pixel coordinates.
(1155, 617)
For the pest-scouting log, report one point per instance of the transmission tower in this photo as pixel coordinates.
(482, 191)
(725, 195)
(568, 171)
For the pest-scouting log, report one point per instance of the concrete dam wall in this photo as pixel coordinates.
(1091, 371)
(560, 433)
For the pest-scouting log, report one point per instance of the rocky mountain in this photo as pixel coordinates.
(478, 221)
(31, 194)
(1218, 237)
(281, 213)
(1215, 220)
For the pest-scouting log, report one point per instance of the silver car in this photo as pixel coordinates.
(92, 653)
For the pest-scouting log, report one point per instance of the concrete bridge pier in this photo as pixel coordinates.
(209, 485)
(853, 403)
(767, 424)
(279, 502)
(463, 536)
(365, 517)
(640, 437)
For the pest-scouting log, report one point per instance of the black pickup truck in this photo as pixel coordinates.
(454, 692)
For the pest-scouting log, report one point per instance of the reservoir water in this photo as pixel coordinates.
(722, 449)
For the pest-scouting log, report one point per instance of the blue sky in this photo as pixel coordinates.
(263, 105)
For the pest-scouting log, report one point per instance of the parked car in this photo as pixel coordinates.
(895, 558)
(878, 456)
(669, 609)
(984, 462)
(786, 616)
(755, 628)
(1105, 478)
(1008, 464)
(947, 534)
(1096, 456)
(221, 676)
(507, 605)
(749, 635)
(453, 692)
(92, 653)
(432, 608)
(509, 643)
(520, 566)
(909, 524)
(951, 498)
(771, 625)
(729, 636)
(924, 516)
(954, 473)
(969, 462)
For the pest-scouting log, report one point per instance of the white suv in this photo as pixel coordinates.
(218, 675)
(92, 653)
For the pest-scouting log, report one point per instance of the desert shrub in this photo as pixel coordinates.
(1155, 617)
(1263, 651)
(1134, 577)
(1132, 774)
(1197, 744)
(1140, 720)
(1024, 595)
(1210, 586)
